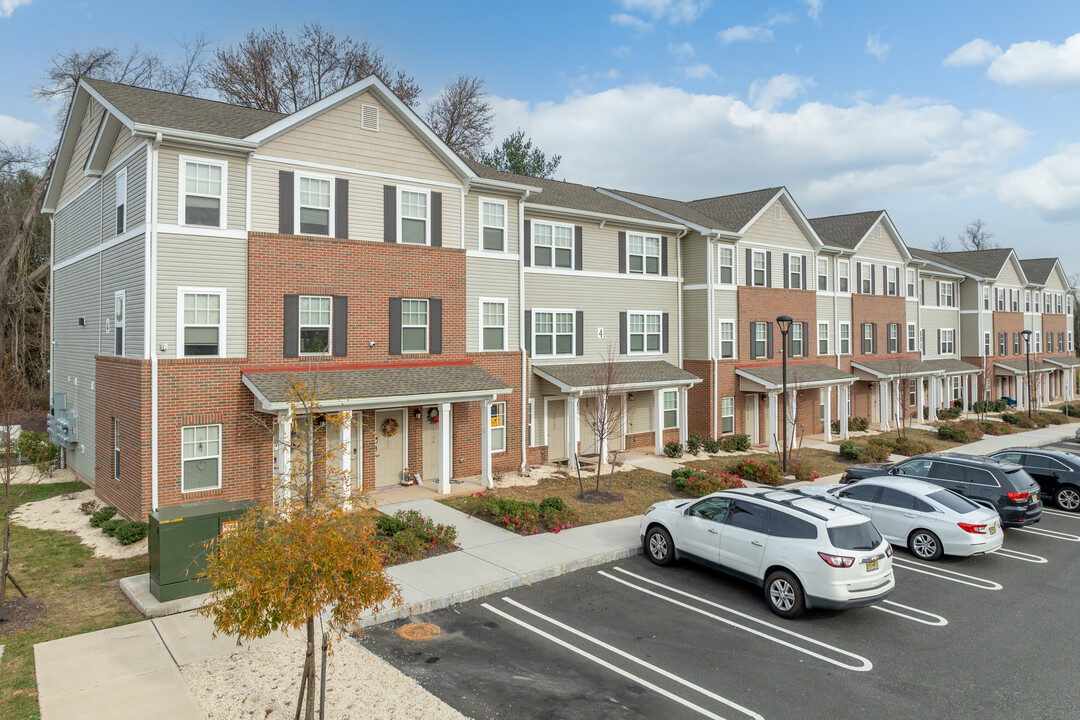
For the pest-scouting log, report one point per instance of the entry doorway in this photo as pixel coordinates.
(430, 443)
(390, 444)
(555, 410)
(750, 417)
(875, 416)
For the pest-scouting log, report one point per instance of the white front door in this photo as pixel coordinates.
(430, 444)
(875, 416)
(389, 447)
(751, 419)
(556, 429)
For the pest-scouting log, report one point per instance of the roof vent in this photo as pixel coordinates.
(369, 117)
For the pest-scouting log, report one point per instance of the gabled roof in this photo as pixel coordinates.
(629, 375)
(1038, 270)
(980, 263)
(845, 231)
(673, 209)
(735, 212)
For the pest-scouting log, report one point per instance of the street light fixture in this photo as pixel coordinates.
(784, 321)
(1027, 350)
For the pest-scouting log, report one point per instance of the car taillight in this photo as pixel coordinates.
(1018, 497)
(837, 561)
(888, 550)
(973, 529)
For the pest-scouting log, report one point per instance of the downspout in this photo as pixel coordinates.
(678, 257)
(521, 334)
(711, 312)
(151, 311)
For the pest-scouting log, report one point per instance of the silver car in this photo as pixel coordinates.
(926, 518)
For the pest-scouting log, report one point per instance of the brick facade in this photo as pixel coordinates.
(123, 393)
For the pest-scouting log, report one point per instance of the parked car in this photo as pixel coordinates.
(928, 520)
(1056, 472)
(805, 552)
(1006, 487)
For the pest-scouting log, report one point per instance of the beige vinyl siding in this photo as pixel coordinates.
(826, 304)
(490, 278)
(932, 321)
(1054, 284)
(970, 297)
(124, 268)
(695, 259)
(76, 179)
(472, 220)
(600, 246)
(778, 269)
(876, 248)
(843, 309)
(641, 412)
(1009, 276)
(1034, 323)
(169, 186)
(785, 232)
(196, 261)
(696, 324)
(725, 307)
(538, 390)
(335, 138)
(912, 311)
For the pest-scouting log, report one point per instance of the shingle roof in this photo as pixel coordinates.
(1020, 366)
(911, 367)
(370, 383)
(629, 373)
(1038, 270)
(180, 112)
(797, 375)
(1064, 360)
(730, 213)
(573, 196)
(983, 263)
(845, 231)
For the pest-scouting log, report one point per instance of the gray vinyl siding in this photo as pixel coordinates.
(969, 337)
(135, 211)
(971, 295)
(932, 320)
(124, 268)
(826, 304)
(641, 412)
(538, 390)
(695, 260)
(76, 178)
(785, 232)
(726, 307)
(491, 278)
(209, 262)
(472, 220)
(695, 325)
(169, 186)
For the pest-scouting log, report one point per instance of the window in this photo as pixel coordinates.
(945, 294)
(116, 448)
(1070, 338)
(748, 516)
(1002, 350)
(644, 332)
(894, 338)
(823, 274)
(795, 272)
(498, 427)
(203, 200)
(119, 315)
(948, 341)
(671, 409)
(986, 298)
(912, 342)
(987, 346)
(727, 265)
(201, 457)
(1038, 342)
(1014, 300)
(121, 200)
(532, 422)
(867, 274)
(553, 333)
(727, 339)
(414, 326)
(783, 525)
(314, 325)
(843, 272)
(797, 340)
(823, 338)
(915, 468)
(1016, 343)
(201, 328)
(912, 395)
(313, 205)
(553, 245)
(493, 225)
(1027, 301)
(895, 498)
(1061, 342)
(861, 492)
(999, 295)
(1068, 306)
(644, 253)
(891, 280)
(727, 415)
(845, 338)
(911, 283)
(714, 509)
(1037, 305)
(761, 342)
(492, 324)
(413, 214)
(759, 267)
(867, 338)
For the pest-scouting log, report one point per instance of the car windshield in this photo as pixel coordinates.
(954, 502)
(863, 536)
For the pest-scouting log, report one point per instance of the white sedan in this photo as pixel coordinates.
(927, 519)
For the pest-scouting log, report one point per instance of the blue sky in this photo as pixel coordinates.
(939, 112)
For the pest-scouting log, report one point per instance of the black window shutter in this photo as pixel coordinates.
(938, 301)
(527, 243)
(664, 329)
(577, 247)
(579, 333)
(858, 277)
(436, 219)
(768, 338)
(873, 280)
(291, 326)
(768, 270)
(749, 269)
(663, 255)
(787, 268)
(390, 224)
(341, 326)
(753, 346)
(873, 332)
(435, 326)
(285, 203)
(805, 279)
(341, 208)
(939, 345)
(805, 335)
(528, 325)
(623, 345)
(395, 326)
(622, 252)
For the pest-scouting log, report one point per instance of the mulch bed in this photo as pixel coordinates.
(599, 497)
(21, 613)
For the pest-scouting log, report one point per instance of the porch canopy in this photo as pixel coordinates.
(901, 368)
(1020, 367)
(1063, 361)
(769, 379)
(583, 378)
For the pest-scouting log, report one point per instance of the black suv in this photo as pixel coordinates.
(1004, 486)
(1057, 472)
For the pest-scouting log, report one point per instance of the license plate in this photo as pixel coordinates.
(993, 529)
(1034, 498)
(871, 565)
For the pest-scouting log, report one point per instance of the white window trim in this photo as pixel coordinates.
(797, 260)
(182, 191)
(116, 448)
(987, 349)
(827, 338)
(866, 275)
(951, 342)
(121, 203)
(664, 410)
(219, 456)
(330, 210)
(644, 255)
(480, 323)
(734, 340)
(720, 266)
(892, 274)
(401, 217)
(330, 335)
(481, 226)
(754, 254)
(503, 428)
(1027, 301)
(802, 340)
(645, 333)
(182, 291)
(889, 329)
(723, 415)
(843, 270)
(1069, 340)
(426, 326)
(554, 335)
(1038, 341)
(914, 276)
(764, 341)
(911, 338)
(777, 212)
(840, 338)
(942, 284)
(120, 324)
(573, 246)
(818, 274)
(532, 423)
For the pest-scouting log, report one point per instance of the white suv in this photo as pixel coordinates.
(805, 552)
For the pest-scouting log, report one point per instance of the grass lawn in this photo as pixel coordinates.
(823, 462)
(80, 590)
(930, 437)
(639, 489)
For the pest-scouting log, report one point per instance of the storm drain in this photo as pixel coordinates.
(418, 631)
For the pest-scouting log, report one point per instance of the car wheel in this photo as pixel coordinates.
(925, 545)
(1067, 498)
(784, 594)
(658, 546)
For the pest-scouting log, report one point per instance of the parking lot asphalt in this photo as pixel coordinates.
(987, 637)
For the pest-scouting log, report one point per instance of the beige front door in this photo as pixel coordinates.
(618, 423)
(556, 430)
(389, 449)
(589, 442)
(751, 419)
(357, 449)
(875, 416)
(430, 446)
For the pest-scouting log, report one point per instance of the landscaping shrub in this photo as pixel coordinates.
(1019, 420)
(521, 516)
(109, 527)
(739, 442)
(88, 507)
(996, 428)
(406, 533)
(693, 444)
(802, 472)
(963, 431)
(952, 413)
(389, 524)
(876, 450)
(991, 406)
(854, 424)
(673, 449)
(1073, 410)
(759, 471)
(711, 446)
(702, 482)
(910, 447)
(1051, 418)
(850, 450)
(101, 516)
(131, 532)
(37, 449)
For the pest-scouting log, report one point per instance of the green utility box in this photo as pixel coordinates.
(176, 540)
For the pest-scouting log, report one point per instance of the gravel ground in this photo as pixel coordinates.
(62, 514)
(263, 683)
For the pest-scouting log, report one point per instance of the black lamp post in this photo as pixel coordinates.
(1027, 351)
(784, 321)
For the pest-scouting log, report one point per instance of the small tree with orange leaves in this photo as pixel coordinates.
(307, 552)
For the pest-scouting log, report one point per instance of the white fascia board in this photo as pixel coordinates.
(619, 387)
(68, 137)
(489, 184)
(103, 145)
(796, 212)
(748, 375)
(1015, 259)
(187, 137)
(266, 405)
(701, 229)
(590, 215)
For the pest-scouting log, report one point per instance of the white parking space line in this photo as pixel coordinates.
(934, 619)
(945, 574)
(1060, 513)
(1017, 555)
(862, 666)
(614, 668)
(1050, 534)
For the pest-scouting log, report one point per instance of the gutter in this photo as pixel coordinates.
(678, 258)
(521, 335)
(218, 142)
(591, 215)
(711, 313)
(150, 305)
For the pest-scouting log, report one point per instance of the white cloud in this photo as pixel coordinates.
(1050, 187)
(622, 52)
(8, 6)
(779, 18)
(14, 130)
(766, 95)
(698, 71)
(845, 158)
(611, 74)
(875, 47)
(742, 33)
(685, 50)
(813, 9)
(1039, 65)
(631, 21)
(674, 11)
(976, 52)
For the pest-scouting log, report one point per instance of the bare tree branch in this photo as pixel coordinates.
(941, 245)
(976, 237)
(462, 117)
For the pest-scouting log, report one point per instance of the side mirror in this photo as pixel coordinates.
(894, 471)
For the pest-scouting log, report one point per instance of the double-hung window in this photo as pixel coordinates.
(644, 253)
(948, 341)
(498, 427)
(757, 257)
(1003, 348)
(727, 265)
(823, 274)
(843, 275)
(988, 348)
(492, 324)
(986, 298)
(493, 225)
(201, 327)
(867, 338)
(913, 389)
(414, 326)
(795, 278)
(797, 340)
(1016, 343)
(844, 337)
(203, 196)
(910, 273)
(121, 201)
(413, 214)
(760, 340)
(671, 409)
(553, 333)
(867, 272)
(727, 339)
(313, 203)
(912, 342)
(116, 448)
(999, 294)
(553, 245)
(823, 338)
(119, 316)
(894, 338)
(644, 332)
(201, 457)
(727, 415)
(1027, 301)
(314, 325)
(891, 274)
(1070, 339)
(945, 294)
(1038, 342)
(1014, 300)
